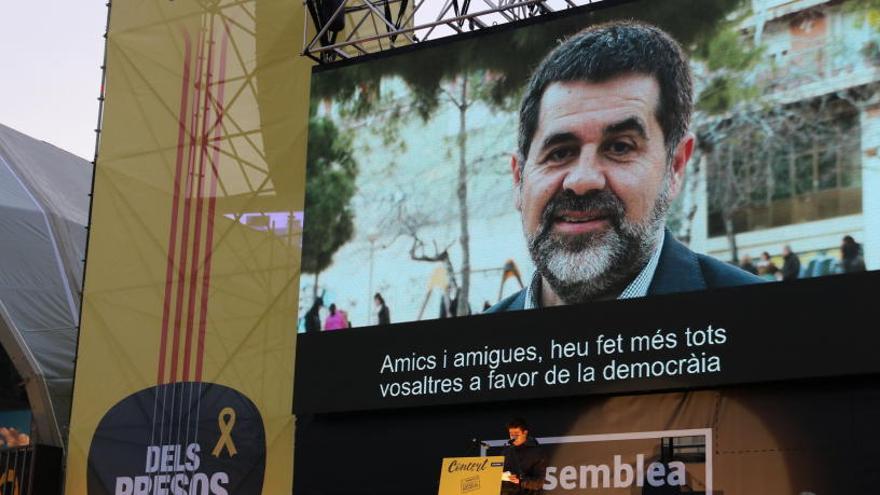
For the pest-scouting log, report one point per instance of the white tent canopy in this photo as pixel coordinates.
(44, 202)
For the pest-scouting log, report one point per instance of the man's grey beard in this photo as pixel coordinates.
(589, 266)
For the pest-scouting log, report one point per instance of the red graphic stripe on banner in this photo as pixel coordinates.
(172, 235)
(212, 201)
(181, 267)
(200, 201)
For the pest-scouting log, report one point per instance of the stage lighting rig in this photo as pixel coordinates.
(350, 28)
(328, 16)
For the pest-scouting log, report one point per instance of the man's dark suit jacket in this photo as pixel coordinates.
(678, 270)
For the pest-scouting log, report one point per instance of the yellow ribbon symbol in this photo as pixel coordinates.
(226, 420)
(9, 477)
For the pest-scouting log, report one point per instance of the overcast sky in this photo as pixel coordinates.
(50, 57)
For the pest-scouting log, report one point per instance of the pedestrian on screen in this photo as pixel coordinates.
(766, 268)
(383, 316)
(851, 256)
(791, 264)
(313, 316)
(336, 320)
(746, 264)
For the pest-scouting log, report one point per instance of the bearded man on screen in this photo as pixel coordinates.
(603, 146)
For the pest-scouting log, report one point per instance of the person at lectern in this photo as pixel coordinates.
(602, 149)
(524, 462)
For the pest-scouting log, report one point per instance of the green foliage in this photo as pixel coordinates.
(871, 9)
(718, 96)
(727, 50)
(330, 184)
(728, 58)
(723, 92)
(868, 11)
(871, 51)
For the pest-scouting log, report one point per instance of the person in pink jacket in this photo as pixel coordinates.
(336, 320)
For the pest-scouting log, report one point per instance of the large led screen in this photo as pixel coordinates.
(715, 167)
(633, 196)
(639, 195)
(440, 185)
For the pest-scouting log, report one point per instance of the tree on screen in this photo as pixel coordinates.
(725, 65)
(331, 171)
(770, 167)
(871, 9)
(414, 208)
(462, 93)
(868, 11)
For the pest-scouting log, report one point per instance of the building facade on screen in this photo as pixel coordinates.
(816, 181)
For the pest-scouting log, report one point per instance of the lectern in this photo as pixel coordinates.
(471, 475)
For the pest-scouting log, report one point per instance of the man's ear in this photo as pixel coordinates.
(683, 153)
(516, 169)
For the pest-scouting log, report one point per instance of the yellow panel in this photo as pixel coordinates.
(471, 475)
(192, 279)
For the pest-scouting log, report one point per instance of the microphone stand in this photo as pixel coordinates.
(477, 447)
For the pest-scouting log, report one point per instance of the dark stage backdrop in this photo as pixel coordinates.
(815, 436)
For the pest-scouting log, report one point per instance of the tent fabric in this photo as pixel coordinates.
(44, 201)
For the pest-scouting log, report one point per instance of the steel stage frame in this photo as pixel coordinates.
(345, 29)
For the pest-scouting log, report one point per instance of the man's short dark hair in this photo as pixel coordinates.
(518, 423)
(601, 52)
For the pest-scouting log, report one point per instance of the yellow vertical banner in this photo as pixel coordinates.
(184, 375)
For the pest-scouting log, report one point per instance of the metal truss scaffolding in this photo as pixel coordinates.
(343, 29)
